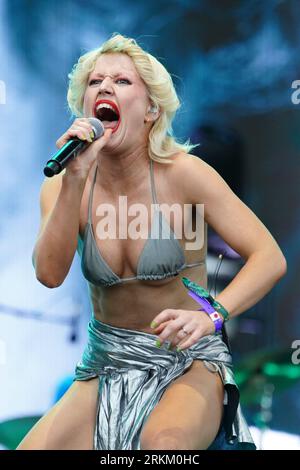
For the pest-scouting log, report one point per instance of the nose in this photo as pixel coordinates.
(105, 86)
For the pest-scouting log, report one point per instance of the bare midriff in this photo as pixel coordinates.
(134, 304)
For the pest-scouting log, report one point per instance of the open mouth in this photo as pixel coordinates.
(108, 113)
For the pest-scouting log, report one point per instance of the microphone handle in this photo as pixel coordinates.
(68, 152)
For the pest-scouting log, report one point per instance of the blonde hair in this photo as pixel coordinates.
(162, 94)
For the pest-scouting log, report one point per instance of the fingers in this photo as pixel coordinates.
(169, 321)
(168, 314)
(181, 328)
(106, 136)
(159, 328)
(102, 141)
(171, 332)
(81, 128)
(182, 334)
(192, 339)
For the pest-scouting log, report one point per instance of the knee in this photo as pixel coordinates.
(167, 439)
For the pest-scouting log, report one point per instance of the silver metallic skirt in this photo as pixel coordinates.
(133, 375)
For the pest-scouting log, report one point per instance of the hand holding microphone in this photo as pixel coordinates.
(77, 140)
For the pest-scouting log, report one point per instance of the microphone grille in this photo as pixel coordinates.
(98, 127)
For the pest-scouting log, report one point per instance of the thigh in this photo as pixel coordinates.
(189, 413)
(69, 424)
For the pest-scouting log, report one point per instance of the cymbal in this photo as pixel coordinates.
(12, 431)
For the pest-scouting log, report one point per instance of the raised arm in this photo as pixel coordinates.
(60, 201)
(242, 230)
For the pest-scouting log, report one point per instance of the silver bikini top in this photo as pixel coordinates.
(161, 257)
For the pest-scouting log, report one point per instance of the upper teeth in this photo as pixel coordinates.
(105, 105)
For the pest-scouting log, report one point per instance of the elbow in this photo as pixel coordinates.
(48, 281)
(275, 263)
(280, 265)
(45, 276)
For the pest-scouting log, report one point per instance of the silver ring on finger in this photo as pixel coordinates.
(184, 330)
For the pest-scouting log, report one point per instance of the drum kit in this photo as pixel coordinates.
(264, 371)
(260, 378)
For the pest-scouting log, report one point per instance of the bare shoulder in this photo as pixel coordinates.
(194, 176)
(186, 164)
(229, 216)
(189, 164)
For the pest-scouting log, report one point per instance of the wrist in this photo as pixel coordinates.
(221, 309)
(217, 320)
(203, 297)
(75, 177)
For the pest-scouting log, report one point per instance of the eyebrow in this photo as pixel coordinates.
(114, 75)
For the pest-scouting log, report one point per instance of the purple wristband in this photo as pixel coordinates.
(216, 317)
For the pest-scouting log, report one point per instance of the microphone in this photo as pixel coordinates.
(69, 151)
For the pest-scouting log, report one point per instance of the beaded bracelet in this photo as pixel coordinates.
(203, 297)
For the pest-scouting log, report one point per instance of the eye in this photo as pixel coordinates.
(124, 80)
(98, 80)
(92, 82)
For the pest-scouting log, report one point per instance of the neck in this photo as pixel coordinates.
(119, 173)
